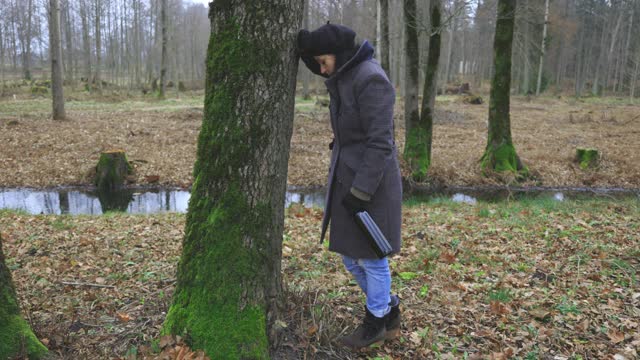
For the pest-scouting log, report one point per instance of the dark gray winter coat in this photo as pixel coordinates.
(364, 154)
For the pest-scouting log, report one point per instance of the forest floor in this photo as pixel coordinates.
(527, 279)
(160, 140)
(532, 279)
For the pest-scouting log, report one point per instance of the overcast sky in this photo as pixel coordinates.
(205, 2)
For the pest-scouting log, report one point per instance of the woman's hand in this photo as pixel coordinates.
(354, 204)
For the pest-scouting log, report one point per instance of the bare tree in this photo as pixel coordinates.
(418, 145)
(55, 46)
(500, 154)
(163, 66)
(543, 46)
(383, 45)
(412, 67)
(98, 26)
(86, 44)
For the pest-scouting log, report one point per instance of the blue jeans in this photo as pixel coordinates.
(374, 278)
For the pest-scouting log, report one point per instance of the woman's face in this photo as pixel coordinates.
(327, 63)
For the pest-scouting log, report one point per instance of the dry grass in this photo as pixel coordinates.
(160, 138)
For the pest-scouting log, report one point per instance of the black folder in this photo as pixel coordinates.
(378, 241)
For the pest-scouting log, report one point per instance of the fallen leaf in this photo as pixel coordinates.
(124, 317)
(312, 330)
(166, 340)
(615, 336)
(448, 257)
(499, 308)
(540, 314)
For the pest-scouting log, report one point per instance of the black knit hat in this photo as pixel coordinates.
(327, 39)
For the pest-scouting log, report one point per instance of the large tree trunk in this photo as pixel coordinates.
(163, 64)
(383, 15)
(543, 46)
(500, 154)
(418, 146)
(229, 277)
(55, 45)
(412, 67)
(16, 340)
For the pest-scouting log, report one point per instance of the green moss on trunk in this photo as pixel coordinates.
(208, 302)
(417, 152)
(587, 157)
(420, 132)
(16, 337)
(500, 154)
(229, 272)
(503, 158)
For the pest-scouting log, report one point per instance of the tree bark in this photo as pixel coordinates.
(412, 67)
(229, 277)
(55, 46)
(97, 79)
(86, 45)
(625, 55)
(383, 15)
(525, 87)
(306, 75)
(450, 39)
(500, 154)
(543, 46)
(612, 44)
(163, 65)
(634, 80)
(2, 88)
(418, 146)
(69, 43)
(17, 340)
(26, 56)
(595, 89)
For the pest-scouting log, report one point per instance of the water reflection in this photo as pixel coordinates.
(90, 202)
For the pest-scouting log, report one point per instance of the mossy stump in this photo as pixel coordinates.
(112, 170)
(587, 158)
(473, 99)
(16, 338)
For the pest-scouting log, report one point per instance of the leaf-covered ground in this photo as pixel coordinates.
(531, 279)
(160, 140)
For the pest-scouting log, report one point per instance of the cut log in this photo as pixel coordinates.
(587, 158)
(112, 170)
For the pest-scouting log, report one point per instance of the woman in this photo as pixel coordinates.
(364, 172)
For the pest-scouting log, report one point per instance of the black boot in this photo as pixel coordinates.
(393, 319)
(370, 331)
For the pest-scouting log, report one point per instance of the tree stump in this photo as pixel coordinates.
(587, 158)
(472, 99)
(112, 170)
